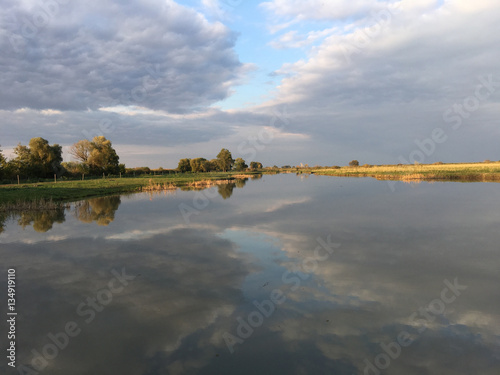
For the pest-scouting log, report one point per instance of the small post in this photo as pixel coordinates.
(83, 176)
(103, 175)
(18, 179)
(120, 174)
(55, 178)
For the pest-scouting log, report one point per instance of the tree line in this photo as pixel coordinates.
(224, 162)
(39, 159)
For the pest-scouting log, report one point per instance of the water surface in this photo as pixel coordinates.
(284, 274)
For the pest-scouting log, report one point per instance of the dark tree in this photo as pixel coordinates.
(39, 159)
(198, 165)
(98, 156)
(225, 160)
(255, 165)
(3, 165)
(240, 165)
(184, 165)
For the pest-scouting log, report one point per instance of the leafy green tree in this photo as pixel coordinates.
(3, 165)
(99, 155)
(198, 165)
(225, 160)
(74, 169)
(21, 164)
(39, 159)
(137, 171)
(46, 159)
(103, 157)
(240, 165)
(214, 165)
(184, 165)
(255, 165)
(81, 151)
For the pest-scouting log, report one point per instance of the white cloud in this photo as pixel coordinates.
(318, 9)
(293, 39)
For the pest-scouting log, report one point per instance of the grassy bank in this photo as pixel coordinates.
(67, 191)
(489, 171)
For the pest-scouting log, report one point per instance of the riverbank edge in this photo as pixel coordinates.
(466, 172)
(53, 194)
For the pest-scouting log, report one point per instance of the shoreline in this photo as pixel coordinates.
(459, 172)
(61, 192)
(65, 191)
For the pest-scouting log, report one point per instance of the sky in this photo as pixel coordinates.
(282, 82)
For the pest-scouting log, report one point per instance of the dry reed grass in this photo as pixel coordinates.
(243, 175)
(158, 186)
(486, 171)
(207, 183)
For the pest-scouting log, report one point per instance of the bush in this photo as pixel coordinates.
(354, 163)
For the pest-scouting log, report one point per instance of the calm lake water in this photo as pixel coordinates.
(278, 275)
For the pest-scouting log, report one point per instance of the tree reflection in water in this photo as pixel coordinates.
(42, 220)
(101, 210)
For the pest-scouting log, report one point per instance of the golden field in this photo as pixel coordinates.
(485, 171)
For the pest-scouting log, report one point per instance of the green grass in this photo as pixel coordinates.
(67, 191)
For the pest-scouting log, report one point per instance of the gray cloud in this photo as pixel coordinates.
(374, 88)
(155, 54)
(354, 96)
(157, 309)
